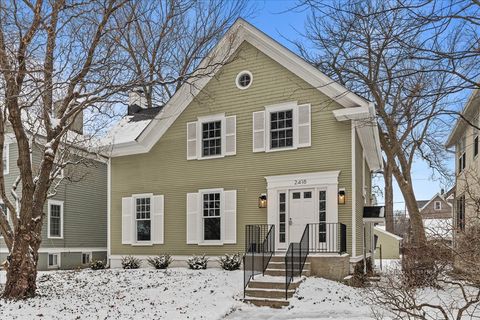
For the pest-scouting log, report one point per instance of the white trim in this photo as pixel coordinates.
(354, 204)
(59, 258)
(238, 77)
(57, 203)
(109, 207)
(201, 238)
(285, 106)
(205, 119)
(65, 250)
(377, 228)
(435, 205)
(241, 31)
(135, 242)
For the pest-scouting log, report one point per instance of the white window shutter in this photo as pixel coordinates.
(127, 220)
(304, 126)
(191, 140)
(193, 213)
(157, 220)
(230, 136)
(230, 216)
(259, 131)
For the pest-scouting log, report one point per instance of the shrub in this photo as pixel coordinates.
(197, 262)
(130, 262)
(162, 261)
(230, 261)
(98, 265)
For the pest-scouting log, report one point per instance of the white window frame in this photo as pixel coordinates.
(134, 214)
(278, 108)
(59, 203)
(206, 119)
(6, 152)
(89, 258)
(202, 240)
(435, 205)
(241, 73)
(54, 266)
(461, 159)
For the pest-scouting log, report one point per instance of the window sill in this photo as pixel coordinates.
(58, 238)
(281, 149)
(142, 244)
(212, 157)
(213, 243)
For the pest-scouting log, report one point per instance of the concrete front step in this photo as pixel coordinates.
(272, 303)
(281, 265)
(269, 293)
(281, 272)
(272, 285)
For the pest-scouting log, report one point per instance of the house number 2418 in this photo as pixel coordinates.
(300, 181)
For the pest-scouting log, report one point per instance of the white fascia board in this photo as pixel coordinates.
(356, 113)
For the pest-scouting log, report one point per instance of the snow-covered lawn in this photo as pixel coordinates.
(177, 293)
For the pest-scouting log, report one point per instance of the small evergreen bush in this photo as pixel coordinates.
(130, 262)
(98, 265)
(161, 261)
(230, 261)
(197, 262)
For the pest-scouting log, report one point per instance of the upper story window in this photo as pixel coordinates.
(461, 154)
(143, 219)
(55, 219)
(437, 205)
(244, 80)
(283, 126)
(281, 129)
(211, 138)
(475, 137)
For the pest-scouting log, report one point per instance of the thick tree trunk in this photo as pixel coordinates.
(418, 237)
(388, 177)
(22, 269)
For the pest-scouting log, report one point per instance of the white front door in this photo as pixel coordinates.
(301, 213)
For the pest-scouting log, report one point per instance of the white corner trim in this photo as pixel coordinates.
(59, 203)
(354, 213)
(109, 207)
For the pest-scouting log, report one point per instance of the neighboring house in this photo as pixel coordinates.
(387, 244)
(268, 139)
(464, 138)
(437, 214)
(75, 223)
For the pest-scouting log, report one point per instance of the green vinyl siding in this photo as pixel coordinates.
(84, 202)
(165, 170)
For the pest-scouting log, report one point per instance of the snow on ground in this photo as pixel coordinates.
(316, 298)
(177, 293)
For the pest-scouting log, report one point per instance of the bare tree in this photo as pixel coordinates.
(165, 41)
(61, 63)
(362, 46)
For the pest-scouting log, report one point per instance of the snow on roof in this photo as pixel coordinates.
(382, 230)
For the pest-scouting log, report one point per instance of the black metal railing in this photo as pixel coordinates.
(259, 248)
(295, 258)
(326, 237)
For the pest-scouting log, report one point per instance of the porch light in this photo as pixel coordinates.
(262, 201)
(341, 196)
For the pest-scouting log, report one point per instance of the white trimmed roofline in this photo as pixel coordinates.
(460, 125)
(241, 31)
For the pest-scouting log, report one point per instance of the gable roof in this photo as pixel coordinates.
(243, 31)
(427, 202)
(469, 112)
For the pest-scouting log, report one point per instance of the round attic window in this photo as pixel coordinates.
(244, 80)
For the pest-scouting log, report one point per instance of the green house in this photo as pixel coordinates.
(264, 139)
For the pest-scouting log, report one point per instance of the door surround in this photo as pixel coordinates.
(326, 180)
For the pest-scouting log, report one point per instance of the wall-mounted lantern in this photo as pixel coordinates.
(342, 198)
(262, 201)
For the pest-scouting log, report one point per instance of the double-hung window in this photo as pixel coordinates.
(55, 219)
(212, 138)
(143, 219)
(211, 216)
(461, 154)
(475, 137)
(460, 207)
(281, 129)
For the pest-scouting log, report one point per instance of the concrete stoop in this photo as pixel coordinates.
(269, 290)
